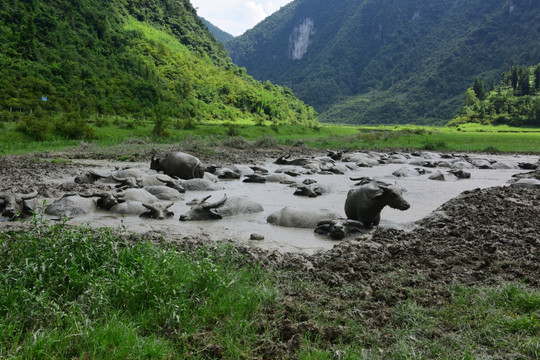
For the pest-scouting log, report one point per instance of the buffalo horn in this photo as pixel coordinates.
(355, 223)
(31, 195)
(216, 204)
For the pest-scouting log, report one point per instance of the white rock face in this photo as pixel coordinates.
(299, 40)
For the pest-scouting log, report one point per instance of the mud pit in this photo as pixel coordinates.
(52, 180)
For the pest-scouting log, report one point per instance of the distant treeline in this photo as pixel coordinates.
(514, 101)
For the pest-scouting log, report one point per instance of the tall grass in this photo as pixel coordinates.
(71, 292)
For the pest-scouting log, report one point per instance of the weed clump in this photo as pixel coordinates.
(237, 142)
(266, 141)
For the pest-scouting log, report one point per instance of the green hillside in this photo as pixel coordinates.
(389, 61)
(129, 58)
(514, 101)
(220, 35)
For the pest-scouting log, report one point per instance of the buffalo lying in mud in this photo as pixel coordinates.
(366, 202)
(179, 164)
(13, 205)
(201, 210)
(300, 218)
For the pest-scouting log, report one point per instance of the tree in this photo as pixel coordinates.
(536, 112)
(537, 78)
(480, 88)
(470, 98)
(514, 76)
(524, 81)
(492, 85)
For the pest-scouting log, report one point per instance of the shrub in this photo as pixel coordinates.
(74, 127)
(233, 130)
(186, 124)
(237, 142)
(430, 146)
(491, 149)
(36, 128)
(275, 127)
(266, 141)
(194, 143)
(101, 122)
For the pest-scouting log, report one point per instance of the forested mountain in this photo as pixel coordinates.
(389, 61)
(129, 57)
(220, 35)
(514, 101)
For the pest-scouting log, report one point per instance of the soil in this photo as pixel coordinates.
(483, 237)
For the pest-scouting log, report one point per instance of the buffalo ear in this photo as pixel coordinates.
(379, 193)
(354, 230)
(215, 215)
(323, 229)
(324, 222)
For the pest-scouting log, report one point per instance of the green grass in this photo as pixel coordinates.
(474, 323)
(68, 292)
(470, 137)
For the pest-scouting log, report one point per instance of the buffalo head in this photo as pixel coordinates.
(13, 205)
(157, 211)
(338, 228)
(203, 211)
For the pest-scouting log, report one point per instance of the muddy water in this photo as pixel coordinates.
(423, 194)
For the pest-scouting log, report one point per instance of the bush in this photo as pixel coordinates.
(266, 141)
(194, 143)
(237, 142)
(430, 146)
(186, 124)
(233, 130)
(38, 129)
(491, 149)
(101, 122)
(74, 127)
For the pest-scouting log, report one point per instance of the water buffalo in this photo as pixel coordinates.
(338, 228)
(107, 199)
(443, 176)
(89, 177)
(366, 202)
(157, 211)
(284, 160)
(200, 185)
(311, 190)
(164, 193)
(202, 210)
(14, 205)
(139, 195)
(300, 218)
(179, 164)
(71, 205)
(255, 178)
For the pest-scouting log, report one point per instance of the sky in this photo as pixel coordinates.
(236, 16)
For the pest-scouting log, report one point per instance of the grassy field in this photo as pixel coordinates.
(464, 138)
